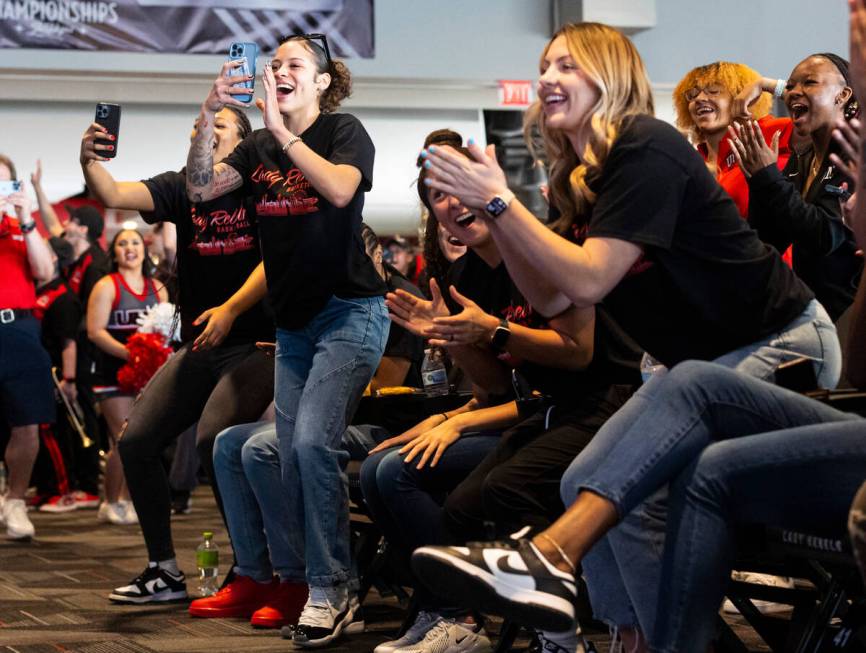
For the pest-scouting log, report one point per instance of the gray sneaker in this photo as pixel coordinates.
(423, 623)
(448, 636)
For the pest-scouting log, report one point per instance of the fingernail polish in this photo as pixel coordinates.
(427, 182)
(111, 147)
(428, 165)
(423, 154)
(471, 141)
(432, 148)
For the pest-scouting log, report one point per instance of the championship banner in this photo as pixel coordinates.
(185, 26)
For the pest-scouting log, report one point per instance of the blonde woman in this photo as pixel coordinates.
(645, 227)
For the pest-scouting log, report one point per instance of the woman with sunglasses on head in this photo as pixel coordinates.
(659, 242)
(799, 205)
(306, 174)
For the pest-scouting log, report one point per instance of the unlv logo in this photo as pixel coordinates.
(126, 318)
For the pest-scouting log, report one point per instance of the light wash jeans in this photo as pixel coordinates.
(736, 451)
(321, 371)
(247, 464)
(623, 570)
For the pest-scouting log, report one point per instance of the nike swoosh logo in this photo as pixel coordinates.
(509, 567)
(155, 585)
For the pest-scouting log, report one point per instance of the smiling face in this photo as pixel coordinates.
(709, 108)
(128, 250)
(566, 92)
(816, 95)
(450, 246)
(458, 220)
(299, 84)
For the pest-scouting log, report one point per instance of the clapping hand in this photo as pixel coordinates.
(472, 181)
(751, 150)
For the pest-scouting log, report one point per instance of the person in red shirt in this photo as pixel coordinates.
(26, 390)
(703, 101)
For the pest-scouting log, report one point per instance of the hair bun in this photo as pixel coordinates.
(441, 137)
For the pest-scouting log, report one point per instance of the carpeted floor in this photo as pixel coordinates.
(53, 594)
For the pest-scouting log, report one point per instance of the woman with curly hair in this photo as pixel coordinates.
(703, 101)
(646, 228)
(306, 174)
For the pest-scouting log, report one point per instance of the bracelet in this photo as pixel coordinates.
(27, 228)
(780, 88)
(288, 144)
(445, 415)
(561, 553)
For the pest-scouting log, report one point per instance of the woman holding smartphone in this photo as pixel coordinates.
(658, 240)
(306, 174)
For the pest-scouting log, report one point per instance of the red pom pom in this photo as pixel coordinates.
(147, 353)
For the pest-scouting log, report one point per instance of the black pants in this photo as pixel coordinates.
(219, 388)
(517, 484)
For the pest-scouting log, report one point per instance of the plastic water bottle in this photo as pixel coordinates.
(650, 366)
(433, 373)
(207, 559)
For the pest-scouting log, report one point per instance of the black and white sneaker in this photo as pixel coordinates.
(325, 615)
(154, 585)
(510, 578)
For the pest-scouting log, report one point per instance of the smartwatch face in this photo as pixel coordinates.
(496, 207)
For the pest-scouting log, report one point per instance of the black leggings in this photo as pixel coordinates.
(517, 484)
(219, 388)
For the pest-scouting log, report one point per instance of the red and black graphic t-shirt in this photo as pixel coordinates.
(706, 284)
(217, 249)
(496, 294)
(312, 249)
(60, 312)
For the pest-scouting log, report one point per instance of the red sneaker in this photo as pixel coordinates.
(240, 598)
(283, 608)
(59, 503)
(85, 499)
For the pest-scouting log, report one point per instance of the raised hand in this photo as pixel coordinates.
(36, 175)
(848, 136)
(472, 181)
(751, 149)
(416, 314)
(223, 90)
(90, 150)
(744, 99)
(470, 326)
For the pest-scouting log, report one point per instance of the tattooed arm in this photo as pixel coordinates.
(204, 180)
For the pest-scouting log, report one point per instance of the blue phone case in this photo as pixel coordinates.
(248, 51)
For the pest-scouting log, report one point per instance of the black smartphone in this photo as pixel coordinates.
(843, 194)
(108, 115)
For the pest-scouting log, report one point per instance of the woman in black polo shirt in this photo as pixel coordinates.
(305, 175)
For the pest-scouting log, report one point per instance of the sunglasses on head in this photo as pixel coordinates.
(319, 39)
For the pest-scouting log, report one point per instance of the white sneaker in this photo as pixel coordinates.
(113, 513)
(18, 525)
(764, 607)
(130, 515)
(448, 635)
(327, 612)
(423, 623)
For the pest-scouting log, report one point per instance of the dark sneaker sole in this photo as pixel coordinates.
(339, 628)
(167, 597)
(452, 577)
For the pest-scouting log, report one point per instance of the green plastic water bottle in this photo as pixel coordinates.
(207, 559)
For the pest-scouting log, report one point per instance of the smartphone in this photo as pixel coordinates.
(843, 194)
(108, 115)
(248, 51)
(9, 187)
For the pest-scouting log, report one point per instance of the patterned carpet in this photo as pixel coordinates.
(53, 594)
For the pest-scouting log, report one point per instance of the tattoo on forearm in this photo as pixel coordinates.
(199, 163)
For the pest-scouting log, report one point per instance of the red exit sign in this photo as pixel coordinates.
(515, 92)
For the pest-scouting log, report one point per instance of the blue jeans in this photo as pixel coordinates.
(623, 570)
(321, 372)
(247, 466)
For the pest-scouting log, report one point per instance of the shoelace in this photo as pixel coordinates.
(424, 620)
(317, 610)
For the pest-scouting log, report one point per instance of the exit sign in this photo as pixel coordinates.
(515, 93)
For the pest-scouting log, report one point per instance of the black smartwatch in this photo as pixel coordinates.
(27, 228)
(500, 336)
(497, 206)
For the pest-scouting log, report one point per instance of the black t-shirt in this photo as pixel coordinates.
(60, 312)
(86, 270)
(312, 249)
(402, 343)
(496, 294)
(217, 249)
(706, 284)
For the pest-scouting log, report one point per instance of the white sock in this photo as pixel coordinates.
(169, 565)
